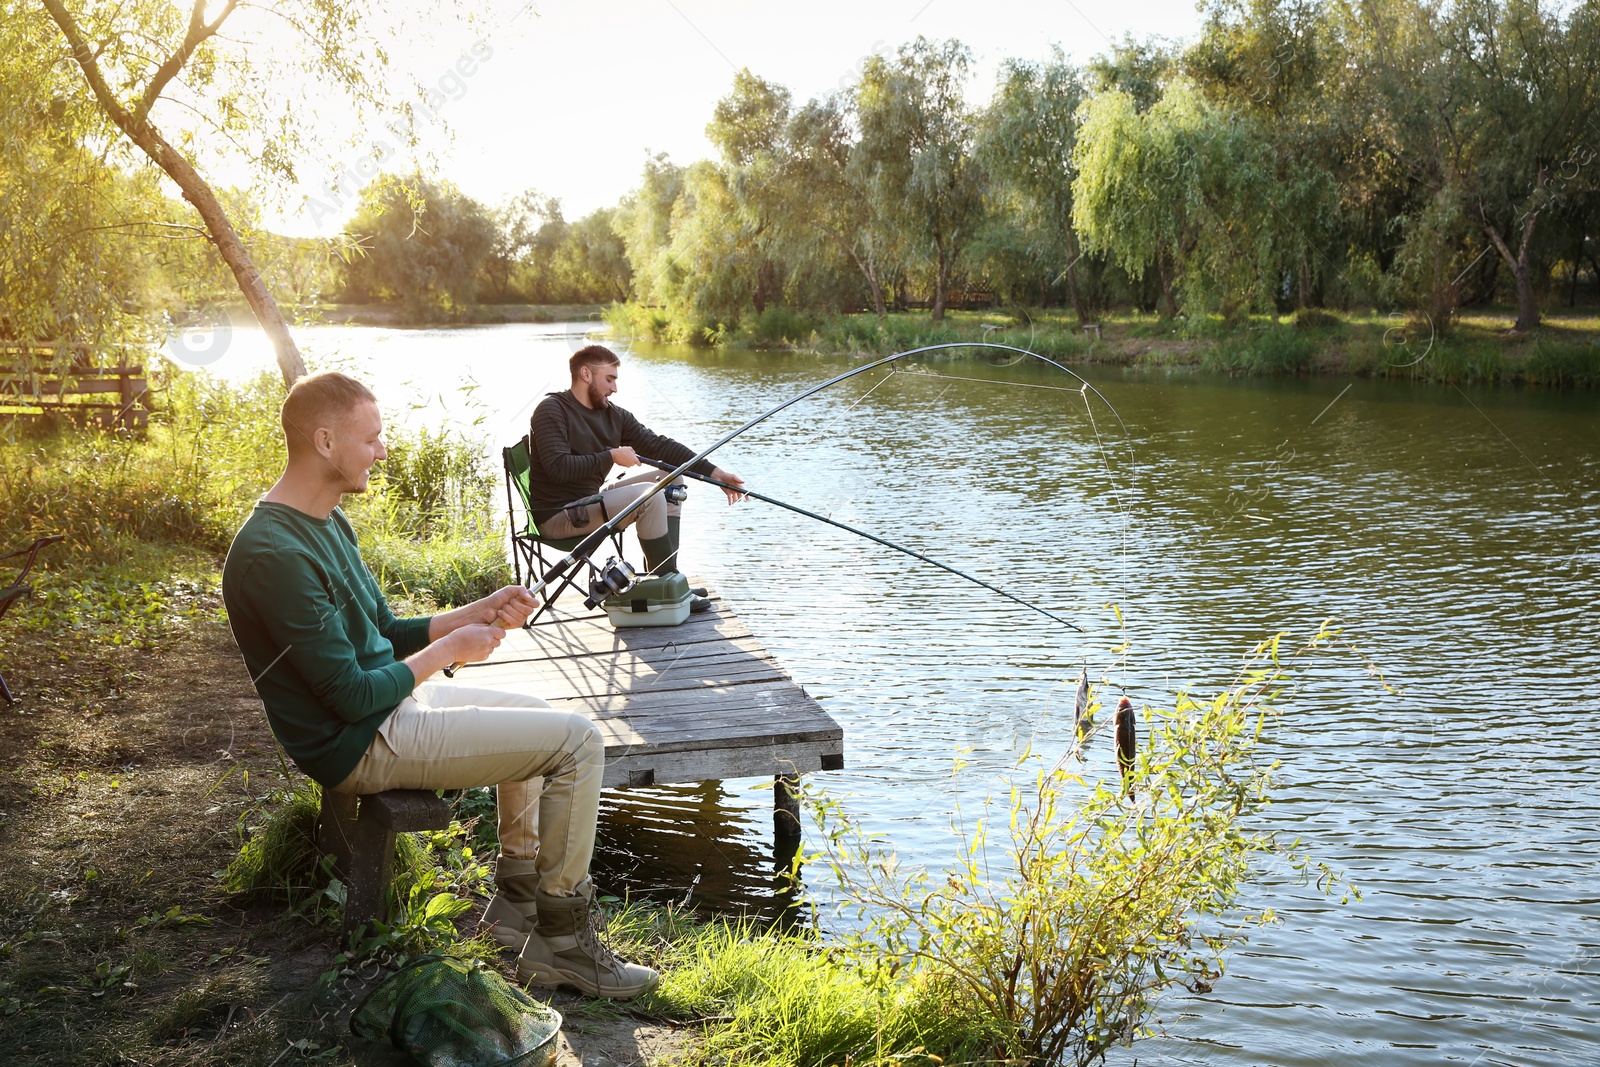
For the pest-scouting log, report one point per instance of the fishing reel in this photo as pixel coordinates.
(676, 494)
(614, 579)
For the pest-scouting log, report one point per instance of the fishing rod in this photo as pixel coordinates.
(594, 540)
(862, 533)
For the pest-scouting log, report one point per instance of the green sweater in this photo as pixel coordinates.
(317, 636)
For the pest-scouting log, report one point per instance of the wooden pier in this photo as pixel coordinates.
(696, 702)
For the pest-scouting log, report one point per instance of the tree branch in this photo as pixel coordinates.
(199, 32)
(87, 60)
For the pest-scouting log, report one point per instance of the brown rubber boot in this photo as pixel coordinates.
(511, 915)
(564, 949)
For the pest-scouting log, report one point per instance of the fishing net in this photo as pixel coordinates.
(458, 1013)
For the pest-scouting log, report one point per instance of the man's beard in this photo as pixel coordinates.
(596, 401)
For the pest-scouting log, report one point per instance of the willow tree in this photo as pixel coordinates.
(178, 88)
(74, 223)
(1027, 137)
(1187, 188)
(917, 135)
(1490, 107)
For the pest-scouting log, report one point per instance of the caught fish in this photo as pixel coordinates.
(1080, 710)
(1127, 741)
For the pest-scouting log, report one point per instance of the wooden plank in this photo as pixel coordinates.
(552, 682)
(85, 387)
(598, 637)
(670, 767)
(586, 660)
(761, 699)
(702, 700)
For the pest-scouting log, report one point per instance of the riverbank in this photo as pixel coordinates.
(1480, 349)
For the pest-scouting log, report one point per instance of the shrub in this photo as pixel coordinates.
(777, 327)
(1062, 920)
(1316, 319)
(1553, 363)
(1271, 351)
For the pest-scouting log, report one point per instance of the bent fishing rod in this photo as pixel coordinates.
(913, 553)
(594, 540)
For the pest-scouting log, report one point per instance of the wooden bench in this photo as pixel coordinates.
(32, 382)
(359, 833)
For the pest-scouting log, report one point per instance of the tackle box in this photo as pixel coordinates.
(653, 601)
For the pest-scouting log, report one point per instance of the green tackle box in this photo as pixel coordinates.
(653, 601)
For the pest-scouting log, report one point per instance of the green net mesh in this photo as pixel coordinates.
(458, 1013)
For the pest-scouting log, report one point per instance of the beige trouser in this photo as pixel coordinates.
(575, 520)
(448, 736)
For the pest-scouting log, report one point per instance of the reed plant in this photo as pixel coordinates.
(149, 515)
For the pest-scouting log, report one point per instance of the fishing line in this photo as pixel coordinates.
(769, 472)
(595, 539)
(1123, 511)
(862, 533)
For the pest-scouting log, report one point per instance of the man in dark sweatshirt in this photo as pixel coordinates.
(577, 436)
(347, 690)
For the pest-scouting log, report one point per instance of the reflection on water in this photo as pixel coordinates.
(698, 846)
(1456, 535)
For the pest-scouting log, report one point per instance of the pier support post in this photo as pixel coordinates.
(786, 805)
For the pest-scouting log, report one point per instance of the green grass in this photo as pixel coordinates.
(789, 999)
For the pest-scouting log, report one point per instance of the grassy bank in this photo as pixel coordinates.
(1565, 352)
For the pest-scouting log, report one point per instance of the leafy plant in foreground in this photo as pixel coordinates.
(1061, 924)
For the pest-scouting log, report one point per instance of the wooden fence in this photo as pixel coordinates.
(69, 381)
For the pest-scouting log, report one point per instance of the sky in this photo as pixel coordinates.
(569, 98)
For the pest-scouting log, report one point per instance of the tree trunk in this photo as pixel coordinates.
(940, 278)
(219, 228)
(1521, 262)
(1572, 283)
(1164, 271)
(871, 274)
(1305, 281)
(1521, 272)
(1072, 278)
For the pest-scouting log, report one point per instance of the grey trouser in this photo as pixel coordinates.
(448, 736)
(579, 518)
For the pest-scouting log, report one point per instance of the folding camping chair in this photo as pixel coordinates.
(16, 591)
(528, 545)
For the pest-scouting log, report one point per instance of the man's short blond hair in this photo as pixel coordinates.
(320, 400)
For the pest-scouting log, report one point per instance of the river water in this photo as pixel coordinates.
(1454, 533)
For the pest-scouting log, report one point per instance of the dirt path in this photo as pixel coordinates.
(126, 779)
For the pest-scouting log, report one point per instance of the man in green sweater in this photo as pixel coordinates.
(347, 690)
(574, 439)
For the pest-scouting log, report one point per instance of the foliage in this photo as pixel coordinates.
(917, 136)
(437, 874)
(1071, 909)
(211, 449)
(1027, 137)
(421, 243)
(1275, 350)
(142, 513)
(1295, 155)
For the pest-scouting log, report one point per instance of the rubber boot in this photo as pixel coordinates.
(659, 554)
(511, 914)
(565, 949)
(675, 535)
